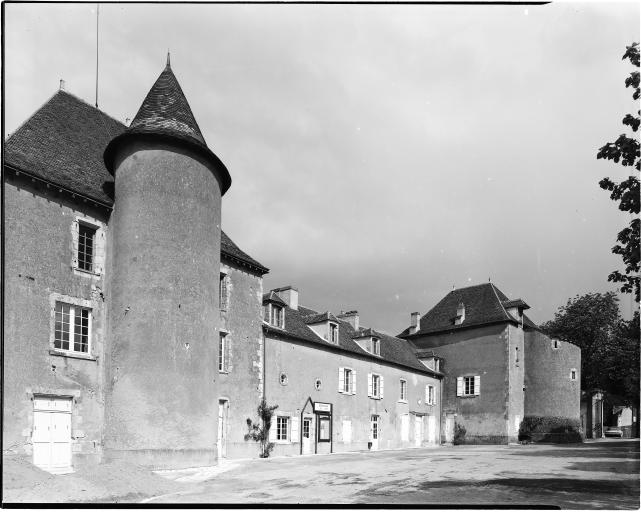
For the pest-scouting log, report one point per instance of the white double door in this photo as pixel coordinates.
(51, 437)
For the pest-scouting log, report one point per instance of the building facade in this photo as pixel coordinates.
(136, 329)
(498, 366)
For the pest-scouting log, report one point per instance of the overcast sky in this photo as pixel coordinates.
(380, 154)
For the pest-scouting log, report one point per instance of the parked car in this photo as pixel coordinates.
(613, 432)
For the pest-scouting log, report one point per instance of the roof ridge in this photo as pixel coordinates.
(501, 302)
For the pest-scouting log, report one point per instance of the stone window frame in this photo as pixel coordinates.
(430, 394)
(73, 301)
(350, 373)
(573, 374)
(376, 394)
(223, 356)
(462, 387)
(224, 291)
(98, 264)
(402, 395)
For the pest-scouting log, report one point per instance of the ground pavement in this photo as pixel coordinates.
(592, 475)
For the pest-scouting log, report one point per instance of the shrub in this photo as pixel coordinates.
(259, 431)
(459, 433)
(550, 429)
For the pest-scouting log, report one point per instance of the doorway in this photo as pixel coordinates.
(375, 431)
(418, 431)
(449, 428)
(307, 435)
(51, 436)
(431, 429)
(223, 412)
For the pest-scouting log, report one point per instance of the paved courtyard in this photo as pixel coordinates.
(599, 475)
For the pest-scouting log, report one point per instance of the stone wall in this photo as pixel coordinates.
(39, 251)
(303, 364)
(240, 384)
(550, 391)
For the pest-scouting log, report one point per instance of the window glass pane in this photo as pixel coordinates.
(323, 426)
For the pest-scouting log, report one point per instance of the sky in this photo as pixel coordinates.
(380, 154)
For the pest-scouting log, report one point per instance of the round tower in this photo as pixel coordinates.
(163, 312)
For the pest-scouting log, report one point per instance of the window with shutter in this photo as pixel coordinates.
(353, 388)
(477, 385)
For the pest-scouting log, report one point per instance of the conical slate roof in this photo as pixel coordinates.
(165, 114)
(165, 110)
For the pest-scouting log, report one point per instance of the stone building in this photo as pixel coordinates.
(136, 329)
(342, 386)
(498, 365)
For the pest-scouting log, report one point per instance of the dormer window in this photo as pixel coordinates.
(275, 315)
(376, 346)
(333, 333)
(460, 314)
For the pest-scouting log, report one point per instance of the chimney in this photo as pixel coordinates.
(415, 323)
(289, 294)
(351, 317)
(62, 85)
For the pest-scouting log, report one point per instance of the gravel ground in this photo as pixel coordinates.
(601, 475)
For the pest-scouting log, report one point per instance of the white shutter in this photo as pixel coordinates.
(382, 386)
(295, 435)
(434, 395)
(459, 386)
(369, 384)
(353, 388)
(272, 430)
(341, 379)
(477, 384)
(427, 394)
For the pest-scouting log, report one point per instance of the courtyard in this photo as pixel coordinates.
(593, 475)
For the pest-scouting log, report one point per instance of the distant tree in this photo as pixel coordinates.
(626, 151)
(609, 345)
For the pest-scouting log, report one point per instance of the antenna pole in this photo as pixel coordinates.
(97, 16)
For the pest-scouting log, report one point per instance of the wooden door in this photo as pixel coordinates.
(51, 438)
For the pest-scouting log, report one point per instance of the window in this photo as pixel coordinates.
(333, 333)
(555, 344)
(324, 431)
(346, 381)
(282, 427)
(72, 328)
(283, 379)
(573, 374)
(318, 384)
(403, 394)
(468, 385)
(86, 237)
(374, 426)
(430, 396)
(516, 350)
(376, 346)
(306, 427)
(274, 315)
(222, 352)
(375, 386)
(224, 288)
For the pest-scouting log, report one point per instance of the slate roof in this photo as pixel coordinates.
(315, 318)
(63, 143)
(165, 114)
(484, 304)
(165, 110)
(393, 350)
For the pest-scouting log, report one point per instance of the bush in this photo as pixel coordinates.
(259, 431)
(459, 433)
(550, 429)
